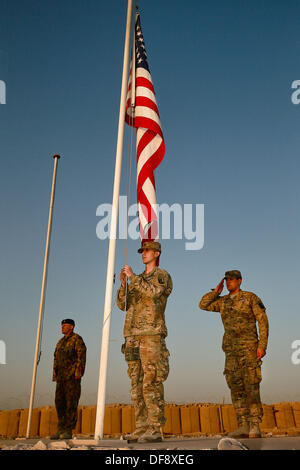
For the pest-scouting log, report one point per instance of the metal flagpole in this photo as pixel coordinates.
(42, 300)
(112, 238)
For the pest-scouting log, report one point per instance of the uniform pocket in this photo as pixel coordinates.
(254, 372)
(132, 354)
(163, 367)
(134, 372)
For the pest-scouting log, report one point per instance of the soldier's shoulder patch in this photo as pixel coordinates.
(261, 305)
(257, 301)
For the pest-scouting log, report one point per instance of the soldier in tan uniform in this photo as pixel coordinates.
(144, 301)
(240, 310)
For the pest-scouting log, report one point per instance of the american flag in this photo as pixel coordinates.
(144, 116)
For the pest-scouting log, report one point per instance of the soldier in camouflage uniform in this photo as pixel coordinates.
(68, 368)
(240, 310)
(144, 301)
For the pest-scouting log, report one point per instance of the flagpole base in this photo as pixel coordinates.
(97, 442)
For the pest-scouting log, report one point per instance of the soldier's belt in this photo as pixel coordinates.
(247, 336)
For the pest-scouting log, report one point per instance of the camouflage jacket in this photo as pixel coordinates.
(145, 303)
(69, 358)
(239, 315)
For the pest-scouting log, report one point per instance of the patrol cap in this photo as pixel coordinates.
(234, 274)
(150, 245)
(69, 321)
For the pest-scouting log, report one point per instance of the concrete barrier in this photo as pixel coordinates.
(210, 419)
(48, 421)
(112, 420)
(9, 423)
(185, 416)
(127, 419)
(176, 422)
(4, 419)
(35, 423)
(228, 418)
(190, 420)
(116, 419)
(268, 420)
(77, 429)
(88, 420)
(107, 421)
(284, 415)
(13, 423)
(173, 421)
(180, 419)
(296, 413)
(195, 418)
(167, 429)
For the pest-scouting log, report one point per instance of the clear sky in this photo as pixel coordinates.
(222, 73)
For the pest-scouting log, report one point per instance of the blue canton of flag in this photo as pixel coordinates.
(141, 56)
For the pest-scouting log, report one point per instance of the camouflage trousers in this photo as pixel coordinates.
(148, 368)
(243, 377)
(67, 396)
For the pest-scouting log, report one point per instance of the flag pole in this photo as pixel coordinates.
(99, 425)
(42, 299)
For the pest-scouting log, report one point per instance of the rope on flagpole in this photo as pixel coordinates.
(128, 182)
(128, 173)
(130, 151)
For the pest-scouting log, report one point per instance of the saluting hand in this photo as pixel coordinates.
(219, 287)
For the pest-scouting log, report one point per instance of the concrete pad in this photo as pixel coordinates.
(97, 443)
(173, 444)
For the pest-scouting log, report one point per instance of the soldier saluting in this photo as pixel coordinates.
(240, 311)
(145, 349)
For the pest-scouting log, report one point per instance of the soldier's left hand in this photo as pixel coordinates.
(260, 353)
(127, 270)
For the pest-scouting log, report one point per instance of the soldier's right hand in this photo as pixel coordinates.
(219, 287)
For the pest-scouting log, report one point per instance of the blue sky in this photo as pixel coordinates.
(222, 73)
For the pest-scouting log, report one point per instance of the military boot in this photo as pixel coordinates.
(152, 434)
(134, 436)
(242, 430)
(67, 434)
(57, 434)
(254, 430)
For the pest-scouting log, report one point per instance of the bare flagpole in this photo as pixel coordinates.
(99, 426)
(42, 300)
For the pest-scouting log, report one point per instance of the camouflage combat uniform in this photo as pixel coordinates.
(239, 314)
(145, 348)
(68, 368)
